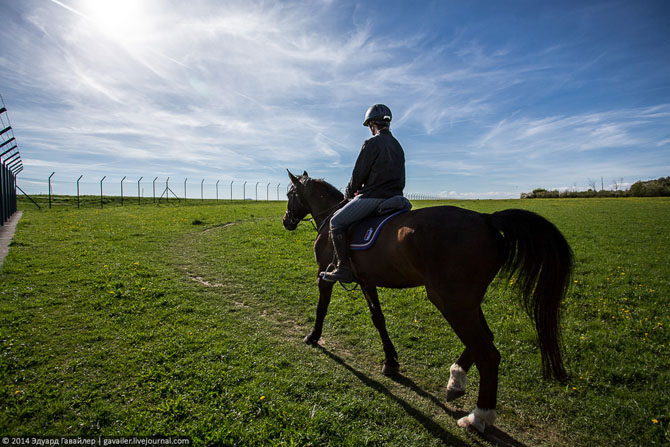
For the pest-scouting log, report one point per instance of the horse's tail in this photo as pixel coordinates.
(539, 261)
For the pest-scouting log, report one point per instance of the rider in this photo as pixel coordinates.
(379, 174)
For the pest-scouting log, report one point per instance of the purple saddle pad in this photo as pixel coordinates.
(363, 233)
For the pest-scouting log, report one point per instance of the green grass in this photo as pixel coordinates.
(188, 320)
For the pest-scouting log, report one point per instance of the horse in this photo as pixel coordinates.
(455, 253)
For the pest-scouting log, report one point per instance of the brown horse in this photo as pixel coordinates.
(455, 253)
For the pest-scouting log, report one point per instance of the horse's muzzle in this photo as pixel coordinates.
(289, 221)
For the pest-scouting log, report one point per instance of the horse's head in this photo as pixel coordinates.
(297, 207)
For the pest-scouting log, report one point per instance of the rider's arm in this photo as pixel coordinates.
(362, 169)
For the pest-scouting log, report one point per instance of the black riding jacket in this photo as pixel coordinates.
(379, 172)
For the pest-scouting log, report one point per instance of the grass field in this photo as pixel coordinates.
(188, 320)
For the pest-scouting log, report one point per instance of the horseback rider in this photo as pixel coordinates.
(379, 174)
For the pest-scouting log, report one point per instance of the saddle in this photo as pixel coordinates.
(363, 234)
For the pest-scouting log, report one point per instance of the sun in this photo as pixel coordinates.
(122, 20)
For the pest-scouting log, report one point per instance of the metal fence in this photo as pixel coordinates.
(148, 190)
(10, 166)
(143, 191)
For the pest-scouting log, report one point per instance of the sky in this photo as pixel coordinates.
(489, 99)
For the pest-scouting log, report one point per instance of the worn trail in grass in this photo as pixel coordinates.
(189, 320)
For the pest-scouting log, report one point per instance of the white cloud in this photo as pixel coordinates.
(580, 132)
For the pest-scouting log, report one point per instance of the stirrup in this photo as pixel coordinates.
(340, 274)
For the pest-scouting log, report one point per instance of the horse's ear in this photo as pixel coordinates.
(304, 174)
(295, 180)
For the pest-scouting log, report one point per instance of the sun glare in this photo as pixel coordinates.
(122, 20)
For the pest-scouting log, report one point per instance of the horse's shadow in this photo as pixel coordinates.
(492, 434)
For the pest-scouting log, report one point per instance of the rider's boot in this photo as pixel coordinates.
(343, 271)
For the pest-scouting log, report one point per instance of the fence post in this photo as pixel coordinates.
(278, 185)
(155, 189)
(4, 194)
(267, 193)
(78, 189)
(185, 188)
(217, 190)
(231, 190)
(257, 191)
(244, 191)
(167, 190)
(201, 195)
(124, 177)
(138, 191)
(102, 180)
(52, 174)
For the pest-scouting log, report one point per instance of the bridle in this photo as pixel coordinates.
(292, 219)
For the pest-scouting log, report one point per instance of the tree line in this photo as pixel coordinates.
(650, 188)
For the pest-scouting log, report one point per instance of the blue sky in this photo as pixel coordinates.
(490, 99)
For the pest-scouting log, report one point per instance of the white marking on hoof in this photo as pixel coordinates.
(457, 380)
(478, 419)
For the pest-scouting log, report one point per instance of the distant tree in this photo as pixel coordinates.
(617, 183)
(651, 188)
(592, 184)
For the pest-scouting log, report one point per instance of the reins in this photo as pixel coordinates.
(312, 219)
(349, 290)
(329, 214)
(330, 211)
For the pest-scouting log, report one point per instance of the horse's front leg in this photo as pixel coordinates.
(391, 365)
(325, 292)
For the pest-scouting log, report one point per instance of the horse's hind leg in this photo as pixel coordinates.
(458, 371)
(463, 314)
(391, 365)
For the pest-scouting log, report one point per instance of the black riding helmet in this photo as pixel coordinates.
(377, 112)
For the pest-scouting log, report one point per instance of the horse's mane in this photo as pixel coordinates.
(330, 190)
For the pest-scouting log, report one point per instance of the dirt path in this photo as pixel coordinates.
(7, 233)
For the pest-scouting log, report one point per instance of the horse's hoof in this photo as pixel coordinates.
(391, 370)
(479, 419)
(454, 393)
(311, 339)
(458, 381)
